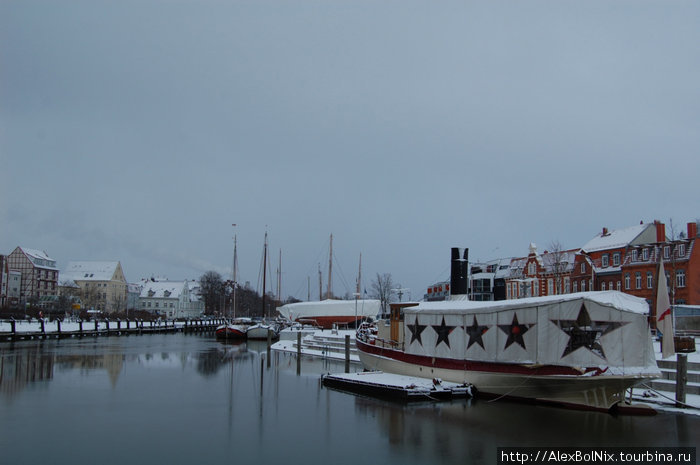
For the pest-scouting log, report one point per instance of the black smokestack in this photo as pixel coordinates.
(458, 273)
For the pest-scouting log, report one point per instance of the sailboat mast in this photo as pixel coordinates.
(330, 269)
(320, 283)
(279, 279)
(234, 272)
(264, 273)
(359, 276)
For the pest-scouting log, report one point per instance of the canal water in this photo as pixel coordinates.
(188, 399)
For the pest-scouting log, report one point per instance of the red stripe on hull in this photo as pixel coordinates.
(470, 365)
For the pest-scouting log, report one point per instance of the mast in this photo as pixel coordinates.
(264, 273)
(330, 269)
(359, 277)
(234, 270)
(320, 283)
(279, 279)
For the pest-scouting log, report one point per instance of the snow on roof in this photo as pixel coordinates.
(43, 259)
(613, 299)
(90, 271)
(614, 239)
(163, 289)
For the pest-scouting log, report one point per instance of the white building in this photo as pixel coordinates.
(171, 299)
(102, 283)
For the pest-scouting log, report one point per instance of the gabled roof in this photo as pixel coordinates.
(39, 257)
(90, 271)
(162, 289)
(615, 239)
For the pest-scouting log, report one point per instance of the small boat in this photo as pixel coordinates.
(582, 350)
(237, 329)
(262, 331)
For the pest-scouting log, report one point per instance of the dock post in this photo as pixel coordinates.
(347, 353)
(14, 329)
(43, 327)
(299, 353)
(58, 327)
(107, 325)
(681, 378)
(269, 344)
(119, 324)
(80, 325)
(96, 328)
(127, 324)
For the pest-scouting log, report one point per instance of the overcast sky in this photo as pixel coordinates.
(140, 131)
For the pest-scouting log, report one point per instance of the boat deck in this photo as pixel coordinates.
(396, 387)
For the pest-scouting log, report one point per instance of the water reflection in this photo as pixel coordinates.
(178, 398)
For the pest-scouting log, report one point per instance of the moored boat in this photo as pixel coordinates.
(582, 350)
(237, 329)
(262, 331)
(326, 313)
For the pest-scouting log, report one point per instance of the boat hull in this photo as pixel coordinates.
(559, 385)
(231, 332)
(261, 332)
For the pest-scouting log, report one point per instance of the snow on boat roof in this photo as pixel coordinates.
(615, 299)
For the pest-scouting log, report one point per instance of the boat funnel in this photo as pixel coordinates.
(458, 272)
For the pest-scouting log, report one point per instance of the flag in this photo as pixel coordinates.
(664, 318)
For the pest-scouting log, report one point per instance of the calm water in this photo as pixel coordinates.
(187, 399)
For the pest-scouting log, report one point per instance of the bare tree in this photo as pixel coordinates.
(381, 289)
(557, 265)
(212, 290)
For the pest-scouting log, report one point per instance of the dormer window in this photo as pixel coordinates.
(645, 254)
(681, 250)
(667, 252)
(583, 267)
(634, 255)
(616, 259)
(151, 293)
(166, 293)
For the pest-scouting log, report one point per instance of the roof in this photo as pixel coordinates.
(38, 257)
(614, 299)
(90, 271)
(615, 239)
(162, 289)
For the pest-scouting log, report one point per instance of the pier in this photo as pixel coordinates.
(18, 330)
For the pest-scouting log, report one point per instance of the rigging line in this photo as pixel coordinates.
(666, 397)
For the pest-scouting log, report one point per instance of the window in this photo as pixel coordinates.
(681, 250)
(616, 259)
(667, 252)
(650, 280)
(638, 279)
(583, 267)
(550, 286)
(602, 286)
(680, 278)
(605, 260)
(567, 285)
(575, 286)
(645, 254)
(619, 286)
(634, 255)
(627, 280)
(583, 286)
(531, 269)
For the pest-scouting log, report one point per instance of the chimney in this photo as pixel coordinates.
(660, 231)
(692, 230)
(605, 231)
(458, 273)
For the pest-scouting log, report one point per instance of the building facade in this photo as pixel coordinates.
(171, 299)
(102, 284)
(38, 274)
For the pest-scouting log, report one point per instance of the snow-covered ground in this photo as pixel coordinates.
(24, 326)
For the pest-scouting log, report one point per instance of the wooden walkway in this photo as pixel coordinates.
(59, 330)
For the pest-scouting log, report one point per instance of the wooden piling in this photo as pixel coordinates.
(347, 353)
(299, 353)
(681, 378)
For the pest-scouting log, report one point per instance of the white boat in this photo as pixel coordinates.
(326, 313)
(582, 350)
(262, 331)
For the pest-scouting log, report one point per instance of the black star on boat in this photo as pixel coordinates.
(515, 332)
(583, 332)
(416, 329)
(475, 333)
(443, 332)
